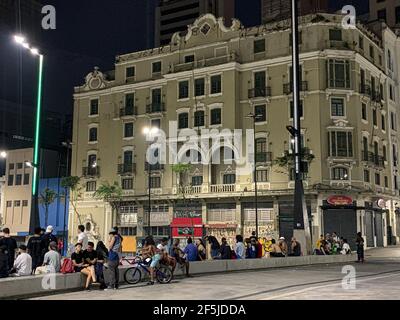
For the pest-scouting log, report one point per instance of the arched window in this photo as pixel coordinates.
(340, 173)
(92, 134)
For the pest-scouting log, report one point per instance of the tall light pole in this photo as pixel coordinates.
(148, 131)
(36, 149)
(254, 117)
(67, 144)
(301, 227)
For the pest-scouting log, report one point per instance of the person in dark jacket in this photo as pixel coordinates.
(35, 249)
(360, 247)
(11, 245)
(46, 239)
(214, 246)
(225, 250)
(4, 269)
(252, 249)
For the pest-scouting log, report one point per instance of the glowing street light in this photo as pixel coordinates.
(3, 154)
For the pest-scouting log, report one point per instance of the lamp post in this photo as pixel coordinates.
(255, 117)
(301, 228)
(36, 149)
(67, 144)
(3, 154)
(148, 131)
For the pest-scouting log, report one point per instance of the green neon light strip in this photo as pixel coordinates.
(37, 129)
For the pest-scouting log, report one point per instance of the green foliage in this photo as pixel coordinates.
(181, 167)
(46, 198)
(111, 193)
(288, 158)
(71, 183)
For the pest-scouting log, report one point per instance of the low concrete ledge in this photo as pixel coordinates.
(13, 288)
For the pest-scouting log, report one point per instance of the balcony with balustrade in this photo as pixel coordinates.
(373, 159)
(365, 89)
(259, 92)
(90, 172)
(288, 87)
(128, 111)
(202, 63)
(127, 219)
(154, 167)
(155, 107)
(126, 168)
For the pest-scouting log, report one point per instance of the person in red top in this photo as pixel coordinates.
(259, 249)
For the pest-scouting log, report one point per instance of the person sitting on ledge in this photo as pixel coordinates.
(23, 263)
(276, 250)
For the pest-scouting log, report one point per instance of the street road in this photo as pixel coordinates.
(378, 278)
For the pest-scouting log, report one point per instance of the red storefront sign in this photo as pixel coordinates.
(339, 200)
(187, 227)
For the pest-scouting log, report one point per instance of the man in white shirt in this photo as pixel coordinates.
(23, 263)
(345, 248)
(82, 237)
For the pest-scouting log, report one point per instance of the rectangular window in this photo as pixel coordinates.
(335, 34)
(259, 46)
(128, 157)
(341, 144)
(90, 186)
(17, 203)
(19, 165)
(18, 179)
(129, 102)
(229, 178)
(262, 175)
(183, 120)
(130, 72)
(216, 84)
(93, 134)
(11, 166)
(260, 113)
(391, 93)
(156, 67)
(156, 123)
(189, 58)
(361, 42)
(215, 116)
(366, 176)
(155, 182)
(374, 117)
(128, 130)
(393, 122)
(381, 14)
(259, 80)
(94, 107)
(339, 73)
(24, 203)
(26, 178)
(386, 182)
(337, 107)
(363, 111)
(127, 184)
(199, 87)
(383, 122)
(397, 14)
(199, 118)
(10, 180)
(377, 179)
(197, 180)
(9, 204)
(371, 52)
(183, 89)
(300, 109)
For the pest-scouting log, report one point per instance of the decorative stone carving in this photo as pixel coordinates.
(91, 228)
(95, 80)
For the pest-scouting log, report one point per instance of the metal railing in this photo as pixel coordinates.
(156, 166)
(365, 89)
(155, 107)
(201, 63)
(288, 87)
(128, 111)
(373, 158)
(259, 92)
(218, 188)
(263, 157)
(91, 171)
(124, 168)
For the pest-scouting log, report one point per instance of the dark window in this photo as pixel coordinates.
(396, 187)
(341, 144)
(259, 45)
(19, 165)
(259, 80)
(364, 111)
(156, 123)
(292, 109)
(397, 14)
(130, 72)
(129, 102)
(199, 118)
(335, 34)
(183, 120)
(366, 176)
(127, 184)
(391, 93)
(183, 89)
(216, 84)
(197, 180)
(9, 204)
(189, 58)
(361, 42)
(386, 182)
(91, 186)
(261, 113)
(229, 178)
(18, 179)
(128, 157)
(94, 107)
(17, 203)
(156, 99)
(383, 122)
(340, 174)
(339, 73)
(199, 87)
(337, 107)
(156, 67)
(384, 153)
(128, 130)
(24, 203)
(262, 175)
(11, 166)
(377, 179)
(374, 117)
(10, 180)
(26, 178)
(215, 116)
(92, 134)
(393, 122)
(371, 51)
(155, 182)
(381, 14)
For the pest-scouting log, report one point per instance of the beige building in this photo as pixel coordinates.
(212, 78)
(387, 10)
(2, 186)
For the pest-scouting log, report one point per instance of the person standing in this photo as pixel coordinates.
(360, 247)
(82, 237)
(114, 247)
(35, 249)
(214, 244)
(23, 263)
(225, 250)
(178, 254)
(11, 245)
(191, 251)
(47, 238)
(240, 249)
(4, 270)
(201, 249)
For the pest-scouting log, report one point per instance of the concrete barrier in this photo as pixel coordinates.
(14, 288)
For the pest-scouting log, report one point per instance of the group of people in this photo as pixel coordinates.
(40, 254)
(331, 244)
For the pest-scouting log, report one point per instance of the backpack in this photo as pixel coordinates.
(233, 255)
(67, 266)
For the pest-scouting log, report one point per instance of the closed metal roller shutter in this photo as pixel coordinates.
(369, 231)
(344, 222)
(379, 229)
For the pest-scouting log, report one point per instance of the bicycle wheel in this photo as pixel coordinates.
(164, 275)
(133, 275)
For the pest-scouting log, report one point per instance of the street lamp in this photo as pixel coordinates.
(3, 154)
(67, 144)
(149, 131)
(20, 40)
(255, 117)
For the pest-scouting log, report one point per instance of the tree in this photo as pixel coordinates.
(72, 184)
(181, 169)
(111, 193)
(46, 198)
(287, 160)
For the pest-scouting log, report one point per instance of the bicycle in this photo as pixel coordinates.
(133, 275)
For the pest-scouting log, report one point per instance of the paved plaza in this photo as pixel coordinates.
(378, 278)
